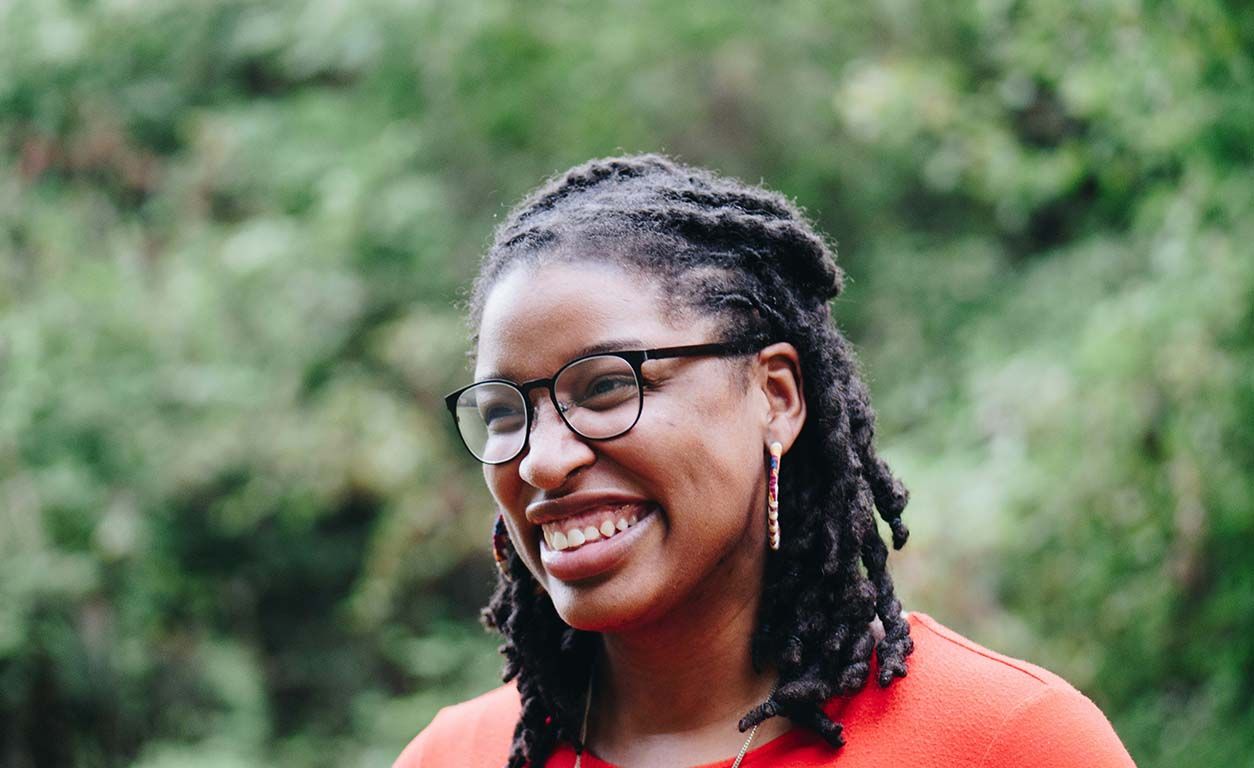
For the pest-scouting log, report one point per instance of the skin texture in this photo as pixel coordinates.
(677, 615)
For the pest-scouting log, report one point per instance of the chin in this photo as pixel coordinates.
(602, 608)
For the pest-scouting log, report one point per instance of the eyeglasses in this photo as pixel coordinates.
(599, 397)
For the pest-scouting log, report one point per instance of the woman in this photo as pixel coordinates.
(680, 448)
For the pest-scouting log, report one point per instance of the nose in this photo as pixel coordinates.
(554, 452)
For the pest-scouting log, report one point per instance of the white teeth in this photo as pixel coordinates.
(558, 540)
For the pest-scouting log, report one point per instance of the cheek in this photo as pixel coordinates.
(506, 489)
(710, 454)
(504, 485)
(493, 478)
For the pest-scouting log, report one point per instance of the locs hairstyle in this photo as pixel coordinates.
(749, 258)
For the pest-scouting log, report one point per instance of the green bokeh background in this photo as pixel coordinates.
(235, 529)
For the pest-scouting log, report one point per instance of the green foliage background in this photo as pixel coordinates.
(234, 527)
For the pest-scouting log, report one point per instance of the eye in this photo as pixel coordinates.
(597, 383)
(501, 416)
(607, 384)
(498, 412)
(607, 391)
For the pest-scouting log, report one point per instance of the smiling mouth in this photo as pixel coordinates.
(571, 533)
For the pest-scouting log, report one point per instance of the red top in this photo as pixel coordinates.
(960, 705)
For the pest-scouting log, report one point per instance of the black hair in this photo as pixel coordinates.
(749, 258)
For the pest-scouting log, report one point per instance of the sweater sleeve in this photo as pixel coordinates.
(1056, 727)
(472, 734)
(422, 750)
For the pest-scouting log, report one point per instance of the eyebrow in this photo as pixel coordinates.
(610, 345)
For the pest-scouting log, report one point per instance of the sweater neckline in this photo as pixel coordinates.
(782, 743)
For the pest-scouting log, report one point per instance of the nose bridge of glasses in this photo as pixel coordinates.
(539, 391)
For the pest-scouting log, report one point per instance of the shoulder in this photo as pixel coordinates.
(477, 732)
(982, 708)
(951, 656)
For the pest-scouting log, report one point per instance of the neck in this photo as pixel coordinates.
(683, 682)
(681, 675)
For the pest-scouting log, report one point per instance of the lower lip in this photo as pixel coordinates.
(597, 557)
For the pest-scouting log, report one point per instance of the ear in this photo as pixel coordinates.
(779, 378)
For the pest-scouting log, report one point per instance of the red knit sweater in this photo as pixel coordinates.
(960, 705)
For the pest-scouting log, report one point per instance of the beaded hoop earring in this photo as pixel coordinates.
(500, 544)
(772, 496)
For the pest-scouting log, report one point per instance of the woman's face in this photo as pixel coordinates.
(691, 473)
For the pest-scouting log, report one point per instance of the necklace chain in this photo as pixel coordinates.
(583, 731)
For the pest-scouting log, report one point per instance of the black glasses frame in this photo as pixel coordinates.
(634, 357)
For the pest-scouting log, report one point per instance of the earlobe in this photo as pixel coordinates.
(784, 389)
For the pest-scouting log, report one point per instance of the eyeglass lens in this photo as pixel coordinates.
(599, 398)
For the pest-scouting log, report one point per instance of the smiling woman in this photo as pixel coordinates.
(680, 449)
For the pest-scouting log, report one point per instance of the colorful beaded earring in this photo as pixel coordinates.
(500, 544)
(772, 496)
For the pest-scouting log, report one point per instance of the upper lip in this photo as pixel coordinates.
(572, 504)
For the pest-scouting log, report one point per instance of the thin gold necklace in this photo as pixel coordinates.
(583, 730)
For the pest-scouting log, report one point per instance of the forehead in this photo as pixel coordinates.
(536, 318)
